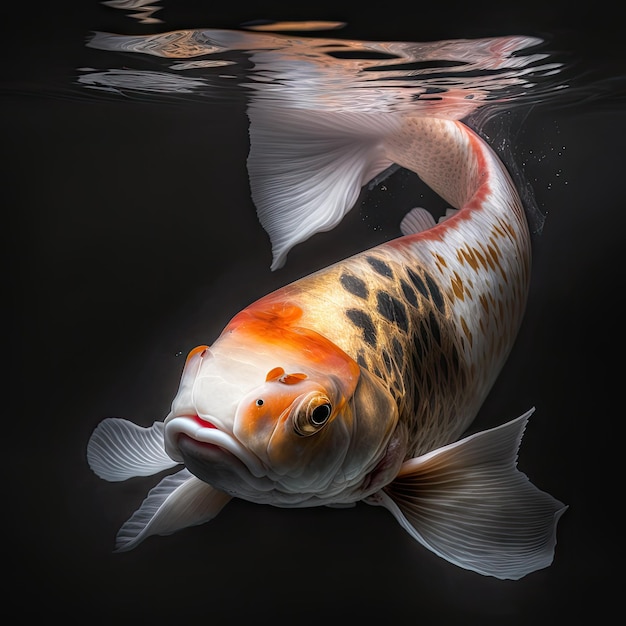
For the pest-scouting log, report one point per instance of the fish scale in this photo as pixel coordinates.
(415, 344)
(431, 312)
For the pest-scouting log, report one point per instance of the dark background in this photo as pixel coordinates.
(130, 237)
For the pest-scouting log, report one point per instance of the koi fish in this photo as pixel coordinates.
(358, 382)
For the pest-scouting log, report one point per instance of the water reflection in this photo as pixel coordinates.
(443, 78)
(285, 80)
(144, 9)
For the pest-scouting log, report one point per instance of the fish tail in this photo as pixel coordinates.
(307, 168)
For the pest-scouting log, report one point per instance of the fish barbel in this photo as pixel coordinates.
(358, 382)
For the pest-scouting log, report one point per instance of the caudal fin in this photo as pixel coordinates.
(306, 168)
(468, 503)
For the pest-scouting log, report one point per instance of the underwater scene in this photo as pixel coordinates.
(271, 264)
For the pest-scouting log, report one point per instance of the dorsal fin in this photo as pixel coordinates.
(416, 221)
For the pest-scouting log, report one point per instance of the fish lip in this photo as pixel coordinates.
(194, 428)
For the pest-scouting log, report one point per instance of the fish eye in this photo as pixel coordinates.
(311, 413)
(259, 402)
(320, 414)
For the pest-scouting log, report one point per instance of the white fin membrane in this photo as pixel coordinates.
(468, 503)
(178, 501)
(119, 449)
(450, 212)
(416, 221)
(307, 168)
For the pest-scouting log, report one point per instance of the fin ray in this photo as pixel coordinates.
(416, 221)
(468, 503)
(178, 501)
(306, 168)
(118, 449)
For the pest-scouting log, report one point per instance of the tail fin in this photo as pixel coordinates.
(306, 168)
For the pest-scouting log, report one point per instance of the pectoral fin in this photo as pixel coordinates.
(119, 449)
(178, 501)
(468, 503)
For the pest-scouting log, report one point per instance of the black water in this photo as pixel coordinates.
(131, 237)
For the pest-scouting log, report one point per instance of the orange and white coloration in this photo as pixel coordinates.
(357, 382)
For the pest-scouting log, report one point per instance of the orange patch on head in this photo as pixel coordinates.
(278, 374)
(273, 322)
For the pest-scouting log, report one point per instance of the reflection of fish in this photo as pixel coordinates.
(356, 382)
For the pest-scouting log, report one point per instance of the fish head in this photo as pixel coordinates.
(288, 423)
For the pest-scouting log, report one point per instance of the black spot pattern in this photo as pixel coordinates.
(360, 359)
(364, 322)
(418, 355)
(392, 309)
(418, 282)
(424, 334)
(436, 294)
(408, 292)
(380, 267)
(434, 327)
(398, 350)
(354, 285)
(408, 340)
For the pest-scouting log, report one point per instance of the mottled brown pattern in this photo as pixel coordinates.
(411, 341)
(436, 331)
(433, 314)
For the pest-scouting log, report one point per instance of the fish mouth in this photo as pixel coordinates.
(200, 444)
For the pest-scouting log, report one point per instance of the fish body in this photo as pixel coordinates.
(357, 383)
(434, 313)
